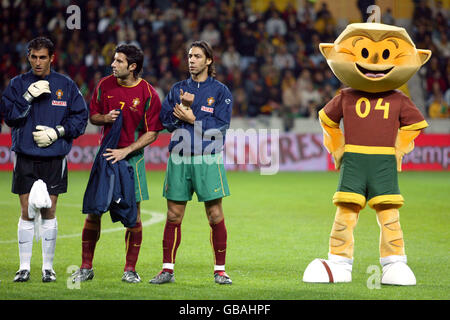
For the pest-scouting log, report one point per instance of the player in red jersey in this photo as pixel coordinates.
(140, 107)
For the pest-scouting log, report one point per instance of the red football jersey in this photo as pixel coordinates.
(140, 105)
(372, 119)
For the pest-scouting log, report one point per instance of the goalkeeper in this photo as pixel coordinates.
(46, 111)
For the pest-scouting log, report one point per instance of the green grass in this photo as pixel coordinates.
(276, 226)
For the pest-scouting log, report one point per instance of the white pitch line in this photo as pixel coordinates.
(155, 218)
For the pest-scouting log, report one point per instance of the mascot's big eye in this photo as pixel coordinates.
(364, 53)
(385, 54)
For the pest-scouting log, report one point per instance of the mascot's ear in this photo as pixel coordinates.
(424, 55)
(325, 49)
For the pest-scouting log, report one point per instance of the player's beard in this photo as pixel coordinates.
(124, 75)
(199, 71)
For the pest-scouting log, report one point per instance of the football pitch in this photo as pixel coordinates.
(276, 226)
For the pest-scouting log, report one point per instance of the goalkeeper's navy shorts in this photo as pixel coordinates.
(28, 169)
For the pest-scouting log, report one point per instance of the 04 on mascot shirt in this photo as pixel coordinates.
(367, 113)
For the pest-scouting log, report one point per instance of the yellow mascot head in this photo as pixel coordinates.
(374, 57)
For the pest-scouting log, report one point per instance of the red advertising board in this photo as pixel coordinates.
(431, 152)
(295, 152)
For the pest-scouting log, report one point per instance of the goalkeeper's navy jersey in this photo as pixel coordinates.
(212, 108)
(65, 106)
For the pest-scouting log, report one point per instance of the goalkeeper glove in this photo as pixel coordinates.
(45, 136)
(36, 89)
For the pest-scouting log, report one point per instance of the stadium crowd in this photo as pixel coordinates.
(270, 60)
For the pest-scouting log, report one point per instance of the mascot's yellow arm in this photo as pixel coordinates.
(333, 138)
(404, 144)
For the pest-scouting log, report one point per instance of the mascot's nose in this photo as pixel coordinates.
(375, 58)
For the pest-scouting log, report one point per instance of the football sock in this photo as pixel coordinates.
(133, 240)
(391, 235)
(49, 230)
(89, 238)
(218, 239)
(171, 241)
(25, 234)
(341, 238)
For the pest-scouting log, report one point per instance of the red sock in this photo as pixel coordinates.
(171, 241)
(133, 240)
(89, 238)
(219, 242)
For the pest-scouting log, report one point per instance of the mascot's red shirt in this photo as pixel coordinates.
(372, 119)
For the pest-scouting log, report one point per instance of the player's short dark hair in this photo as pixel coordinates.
(208, 51)
(133, 55)
(39, 43)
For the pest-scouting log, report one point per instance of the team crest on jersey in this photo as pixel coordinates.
(210, 101)
(135, 103)
(59, 94)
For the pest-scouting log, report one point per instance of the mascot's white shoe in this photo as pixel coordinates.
(335, 269)
(397, 272)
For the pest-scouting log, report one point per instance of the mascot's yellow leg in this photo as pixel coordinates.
(391, 235)
(341, 238)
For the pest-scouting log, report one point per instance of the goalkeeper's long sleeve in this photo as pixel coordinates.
(64, 106)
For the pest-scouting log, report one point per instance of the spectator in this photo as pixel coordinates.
(309, 96)
(57, 22)
(126, 35)
(303, 80)
(94, 58)
(210, 34)
(387, 17)
(437, 105)
(329, 34)
(275, 25)
(283, 59)
(306, 12)
(443, 46)
(231, 58)
(439, 9)
(323, 18)
(256, 100)
(246, 45)
(447, 97)
(239, 102)
(140, 14)
(290, 100)
(7, 68)
(436, 77)
(331, 80)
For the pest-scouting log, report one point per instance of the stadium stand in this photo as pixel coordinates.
(266, 53)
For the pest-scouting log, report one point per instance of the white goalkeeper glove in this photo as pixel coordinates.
(36, 89)
(45, 136)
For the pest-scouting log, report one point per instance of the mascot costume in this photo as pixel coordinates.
(380, 124)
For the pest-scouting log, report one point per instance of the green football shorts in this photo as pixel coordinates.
(368, 177)
(136, 160)
(202, 174)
